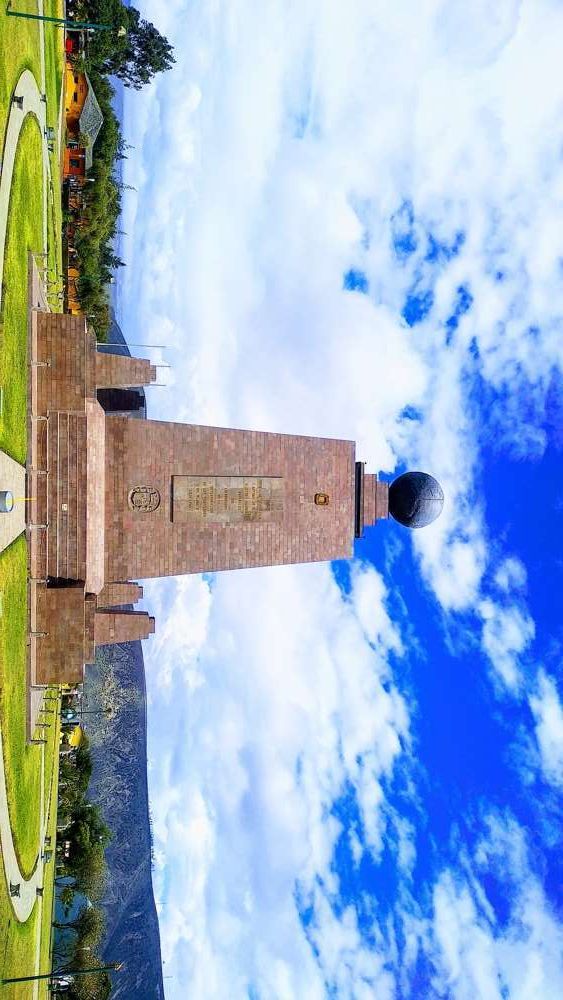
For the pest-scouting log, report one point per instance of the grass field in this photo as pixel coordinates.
(24, 234)
(22, 762)
(19, 49)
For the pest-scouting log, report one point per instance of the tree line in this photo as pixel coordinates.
(134, 51)
(82, 873)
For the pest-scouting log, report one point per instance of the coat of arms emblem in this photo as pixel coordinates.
(144, 499)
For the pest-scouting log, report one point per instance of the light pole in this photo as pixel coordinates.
(59, 973)
(64, 22)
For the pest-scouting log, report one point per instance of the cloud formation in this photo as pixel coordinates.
(345, 223)
(286, 719)
(548, 713)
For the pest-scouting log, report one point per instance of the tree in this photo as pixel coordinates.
(134, 51)
(91, 873)
(147, 52)
(96, 986)
(89, 925)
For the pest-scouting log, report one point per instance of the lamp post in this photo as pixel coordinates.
(59, 973)
(67, 716)
(65, 22)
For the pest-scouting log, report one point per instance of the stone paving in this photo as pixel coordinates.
(12, 477)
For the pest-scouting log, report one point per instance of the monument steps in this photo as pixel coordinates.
(66, 515)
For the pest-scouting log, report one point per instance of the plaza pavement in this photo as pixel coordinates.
(12, 477)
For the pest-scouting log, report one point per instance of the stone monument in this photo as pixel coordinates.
(117, 499)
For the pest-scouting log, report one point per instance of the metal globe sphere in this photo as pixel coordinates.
(415, 499)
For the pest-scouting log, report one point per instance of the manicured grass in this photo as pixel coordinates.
(24, 234)
(23, 775)
(51, 798)
(54, 60)
(22, 762)
(18, 949)
(18, 940)
(19, 50)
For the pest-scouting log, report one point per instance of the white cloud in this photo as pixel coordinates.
(272, 158)
(511, 575)
(548, 713)
(245, 771)
(182, 607)
(480, 958)
(507, 632)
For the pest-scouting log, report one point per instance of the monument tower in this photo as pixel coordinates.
(118, 499)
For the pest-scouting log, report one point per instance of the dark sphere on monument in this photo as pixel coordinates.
(415, 499)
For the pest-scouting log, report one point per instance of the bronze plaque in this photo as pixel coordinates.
(226, 499)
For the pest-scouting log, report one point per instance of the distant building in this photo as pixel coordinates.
(84, 120)
(75, 41)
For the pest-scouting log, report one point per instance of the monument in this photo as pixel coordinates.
(116, 499)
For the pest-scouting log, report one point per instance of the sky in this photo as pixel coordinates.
(346, 220)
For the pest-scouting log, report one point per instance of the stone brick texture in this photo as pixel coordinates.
(62, 364)
(59, 646)
(376, 499)
(66, 479)
(381, 500)
(121, 626)
(95, 496)
(114, 595)
(149, 453)
(118, 371)
(66, 499)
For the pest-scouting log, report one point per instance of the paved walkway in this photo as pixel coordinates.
(12, 477)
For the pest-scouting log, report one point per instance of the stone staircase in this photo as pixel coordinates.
(66, 507)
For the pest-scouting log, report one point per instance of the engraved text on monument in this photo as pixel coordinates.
(226, 499)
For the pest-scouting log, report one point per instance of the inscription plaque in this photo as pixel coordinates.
(226, 499)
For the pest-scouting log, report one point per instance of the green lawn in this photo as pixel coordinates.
(19, 49)
(22, 762)
(19, 938)
(24, 234)
(54, 59)
(51, 797)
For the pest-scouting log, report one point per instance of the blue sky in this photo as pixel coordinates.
(347, 221)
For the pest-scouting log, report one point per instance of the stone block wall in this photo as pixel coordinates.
(66, 495)
(61, 366)
(116, 594)
(376, 499)
(114, 371)
(59, 635)
(121, 626)
(147, 543)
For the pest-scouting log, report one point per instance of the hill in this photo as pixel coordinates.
(119, 785)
